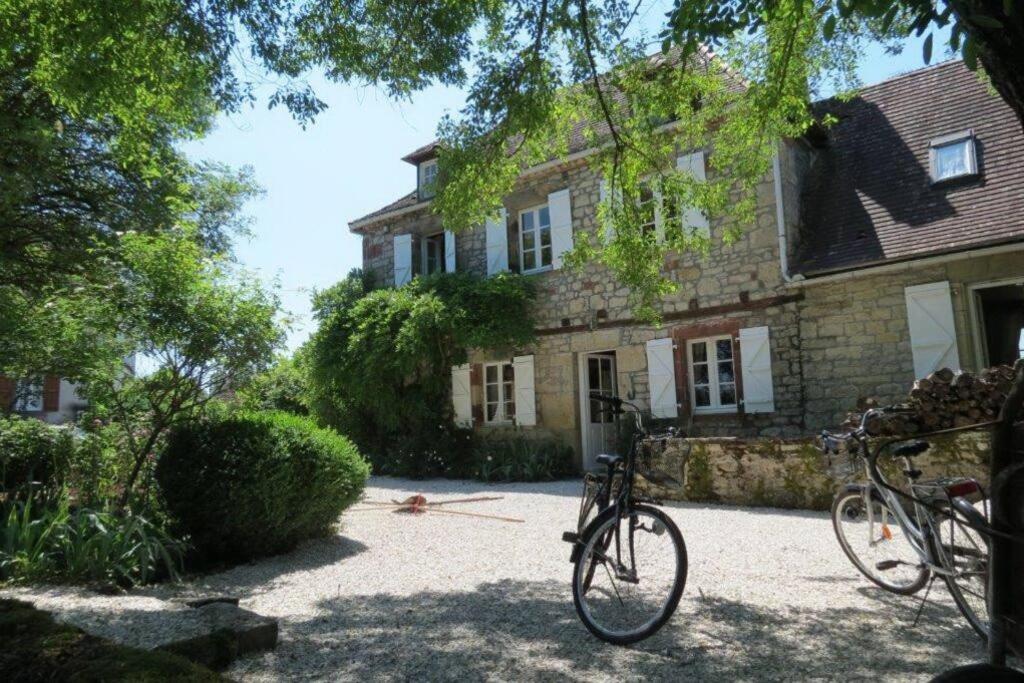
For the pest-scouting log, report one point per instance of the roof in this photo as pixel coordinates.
(868, 197)
(407, 201)
(579, 139)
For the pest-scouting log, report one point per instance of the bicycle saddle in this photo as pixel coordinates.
(608, 459)
(910, 449)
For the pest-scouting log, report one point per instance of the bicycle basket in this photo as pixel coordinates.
(843, 465)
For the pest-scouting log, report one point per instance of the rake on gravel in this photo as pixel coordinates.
(418, 504)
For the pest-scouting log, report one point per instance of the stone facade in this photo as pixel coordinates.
(793, 473)
(833, 341)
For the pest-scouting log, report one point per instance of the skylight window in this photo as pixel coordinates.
(953, 156)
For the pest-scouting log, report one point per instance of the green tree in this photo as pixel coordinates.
(205, 328)
(379, 364)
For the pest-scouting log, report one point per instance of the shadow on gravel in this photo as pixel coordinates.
(529, 631)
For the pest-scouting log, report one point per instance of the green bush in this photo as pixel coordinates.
(33, 454)
(58, 542)
(281, 387)
(504, 457)
(248, 485)
(380, 362)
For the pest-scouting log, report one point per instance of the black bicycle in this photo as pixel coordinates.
(629, 558)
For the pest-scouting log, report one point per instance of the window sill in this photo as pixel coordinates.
(715, 412)
(954, 179)
(537, 271)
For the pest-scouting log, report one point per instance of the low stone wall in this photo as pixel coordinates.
(793, 473)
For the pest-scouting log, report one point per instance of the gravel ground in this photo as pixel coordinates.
(770, 596)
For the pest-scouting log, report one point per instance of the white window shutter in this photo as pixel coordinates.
(449, 251)
(694, 165)
(661, 377)
(756, 361)
(932, 331)
(403, 259)
(560, 209)
(497, 243)
(462, 399)
(526, 400)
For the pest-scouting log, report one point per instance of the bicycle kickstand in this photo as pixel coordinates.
(924, 600)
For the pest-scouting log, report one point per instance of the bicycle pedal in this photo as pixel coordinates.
(887, 564)
(570, 537)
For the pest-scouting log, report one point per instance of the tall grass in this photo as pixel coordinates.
(58, 542)
(520, 458)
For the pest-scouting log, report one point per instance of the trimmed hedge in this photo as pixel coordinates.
(247, 485)
(33, 452)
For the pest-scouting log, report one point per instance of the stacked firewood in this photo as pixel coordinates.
(943, 400)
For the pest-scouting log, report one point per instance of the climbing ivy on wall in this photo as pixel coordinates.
(380, 362)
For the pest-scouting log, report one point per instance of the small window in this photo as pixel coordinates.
(712, 375)
(499, 392)
(647, 208)
(535, 239)
(953, 156)
(428, 178)
(433, 254)
(29, 396)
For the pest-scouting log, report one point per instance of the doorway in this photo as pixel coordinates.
(599, 431)
(999, 315)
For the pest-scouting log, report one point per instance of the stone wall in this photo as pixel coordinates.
(792, 473)
(855, 337)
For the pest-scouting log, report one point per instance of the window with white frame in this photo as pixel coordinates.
(29, 396)
(433, 254)
(953, 156)
(535, 239)
(712, 375)
(499, 392)
(428, 178)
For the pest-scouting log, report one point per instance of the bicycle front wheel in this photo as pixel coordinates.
(873, 540)
(630, 574)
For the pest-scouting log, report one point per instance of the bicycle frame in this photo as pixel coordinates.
(917, 534)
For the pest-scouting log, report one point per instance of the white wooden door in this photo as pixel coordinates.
(599, 423)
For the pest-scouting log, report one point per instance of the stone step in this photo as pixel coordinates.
(225, 632)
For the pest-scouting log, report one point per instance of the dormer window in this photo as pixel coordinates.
(953, 156)
(428, 178)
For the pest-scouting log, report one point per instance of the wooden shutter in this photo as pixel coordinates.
(449, 251)
(476, 387)
(756, 369)
(609, 226)
(932, 331)
(694, 219)
(661, 378)
(51, 393)
(560, 210)
(7, 387)
(526, 400)
(462, 396)
(403, 259)
(497, 243)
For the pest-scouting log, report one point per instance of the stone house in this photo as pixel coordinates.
(884, 247)
(48, 398)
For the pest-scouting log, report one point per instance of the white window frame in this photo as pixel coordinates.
(30, 396)
(428, 176)
(500, 417)
(439, 239)
(538, 249)
(716, 407)
(947, 141)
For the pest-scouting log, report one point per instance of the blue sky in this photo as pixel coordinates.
(345, 165)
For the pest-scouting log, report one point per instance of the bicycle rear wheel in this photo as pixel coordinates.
(876, 544)
(964, 551)
(630, 574)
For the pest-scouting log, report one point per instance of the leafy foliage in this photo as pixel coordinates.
(247, 485)
(205, 327)
(283, 386)
(380, 364)
(58, 542)
(33, 455)
(505, 457)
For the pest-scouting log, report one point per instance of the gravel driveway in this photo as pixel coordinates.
(770, 596)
